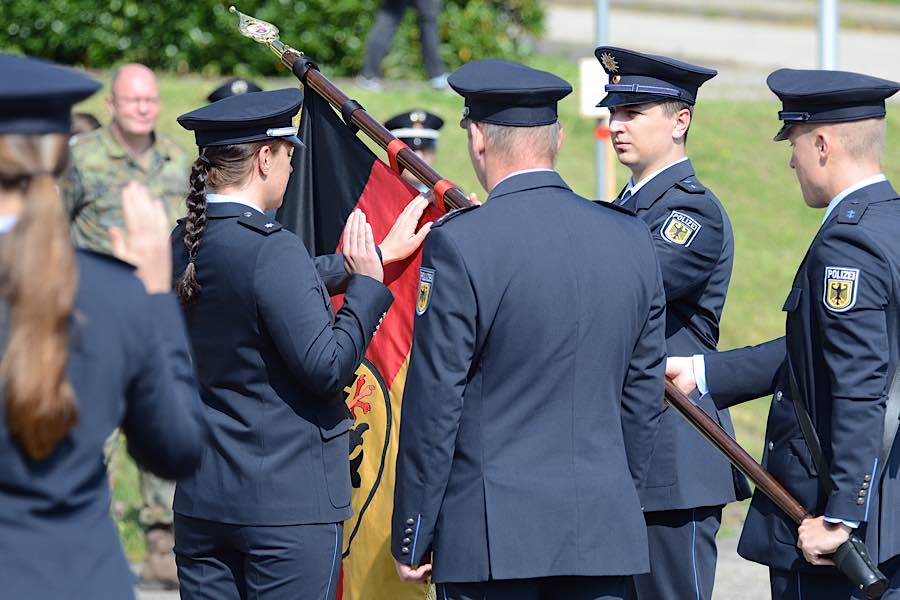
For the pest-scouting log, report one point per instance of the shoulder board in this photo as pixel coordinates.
(691, 185)
(852, 212)
(452, 215)
(259, 223)
(613, 206)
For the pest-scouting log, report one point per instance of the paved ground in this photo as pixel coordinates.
(736, 579)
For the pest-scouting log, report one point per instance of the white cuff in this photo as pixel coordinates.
(850, 524)
(700, 373)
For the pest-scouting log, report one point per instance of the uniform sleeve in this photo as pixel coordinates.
(321, 353)
(851, 295)
(689, 239)
(642, 392)
(442, 354)
(744, 374)
(164, 423)
(331, 269)
(71, 189)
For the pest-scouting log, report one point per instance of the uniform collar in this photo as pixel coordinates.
(527, 180)
(856, 186)
(651, 188)
(232, 199)
(635, 188)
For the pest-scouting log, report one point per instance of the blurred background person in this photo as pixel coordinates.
(381, 36)
(418, 129)
(233, 87)
(86, 347)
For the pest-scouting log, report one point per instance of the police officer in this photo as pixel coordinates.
(418, 129)
(262, 515)
(86, 347)
(233, 87)
(651, 101)
(834, 372)
(522, 439)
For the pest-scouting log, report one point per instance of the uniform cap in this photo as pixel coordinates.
(233, 87)
(636, 78)
(818, 96)
(507, 93)
(417, 128)
(250, 117)
(36, 96)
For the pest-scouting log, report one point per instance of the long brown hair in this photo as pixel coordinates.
(216, 167)
(38, 282)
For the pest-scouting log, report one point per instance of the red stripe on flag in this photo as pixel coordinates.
(383, 199)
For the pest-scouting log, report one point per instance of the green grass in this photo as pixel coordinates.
(732, 149)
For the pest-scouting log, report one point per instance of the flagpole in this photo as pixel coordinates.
(353, 113)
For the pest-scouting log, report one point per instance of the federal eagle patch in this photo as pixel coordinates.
(841, 285)
(680, 229)
(426, 284)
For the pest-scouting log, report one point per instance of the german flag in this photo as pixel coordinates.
(335, 174)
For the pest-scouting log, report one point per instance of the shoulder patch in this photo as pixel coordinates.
(680, 229)
(426, 284)
(841, 286)
(691, 185)
(259, 223)
(453, 214)
(852, 212)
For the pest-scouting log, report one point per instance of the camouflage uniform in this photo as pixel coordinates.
(91, 187)
(101, 167)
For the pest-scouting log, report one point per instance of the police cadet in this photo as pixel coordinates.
(262, 515)
(233, 87)
(651, 100)
(419, 130)
(833, 417)
(534, 384)
(88, 344)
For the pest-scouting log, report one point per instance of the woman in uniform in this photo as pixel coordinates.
(261, 517)
(86, 346)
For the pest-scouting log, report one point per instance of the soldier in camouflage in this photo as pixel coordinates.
(103, 162)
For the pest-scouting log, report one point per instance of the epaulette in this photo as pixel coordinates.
(691, 185)
(852, 212)
(259, 222)
(614, 206)
(453, 214)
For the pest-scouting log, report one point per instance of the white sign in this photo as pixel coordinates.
(592, 81)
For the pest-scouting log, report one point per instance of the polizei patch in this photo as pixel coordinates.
(841, 286)
(426, 284)
(680, 229)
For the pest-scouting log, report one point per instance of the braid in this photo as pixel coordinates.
(187, 286)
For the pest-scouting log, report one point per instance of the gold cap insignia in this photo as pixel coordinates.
(615, 79)
(609, 62)
(417, 116)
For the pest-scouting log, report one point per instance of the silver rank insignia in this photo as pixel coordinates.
(841, 285)
(426, 284)
(680, 229)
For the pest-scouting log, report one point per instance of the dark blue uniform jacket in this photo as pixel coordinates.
(534, 387)
(129, 365)
(272, 361)
(843, 340)
(695, 246)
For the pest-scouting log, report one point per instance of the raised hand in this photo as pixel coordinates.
(360, 254)
(145, 241)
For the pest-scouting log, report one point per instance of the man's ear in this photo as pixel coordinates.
(560, 137)
(681, 123)
(476, 133)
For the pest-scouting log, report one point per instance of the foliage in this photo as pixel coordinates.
(202, 35)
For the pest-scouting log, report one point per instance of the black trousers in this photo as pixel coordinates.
(382, 35)
(541, 588)
(682, 554)
(220, 561)
(792, 585)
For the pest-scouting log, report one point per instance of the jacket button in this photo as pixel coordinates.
(778, 396)
(248, 214)
(860, 501)
(410, 522)
(865, 484)
(771, 446)
(867, 478)
(862, 493)
(404, 550)
(406, 540)
(407, 531)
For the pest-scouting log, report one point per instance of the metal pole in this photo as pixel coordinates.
(829, 22)
(601, 12)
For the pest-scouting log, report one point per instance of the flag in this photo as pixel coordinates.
(333, 175)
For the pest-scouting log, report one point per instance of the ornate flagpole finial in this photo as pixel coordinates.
(262, 32)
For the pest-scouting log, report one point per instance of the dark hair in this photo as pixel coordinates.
(215, 168)
(38, 276)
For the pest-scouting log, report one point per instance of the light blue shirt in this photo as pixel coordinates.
(220, 198)
(633, 188)
(7, 222)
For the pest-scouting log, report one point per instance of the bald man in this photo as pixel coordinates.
(103, 162)
(129, 148)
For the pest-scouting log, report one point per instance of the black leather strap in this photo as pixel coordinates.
(809, 432)
(302, 65)
(347, 109)
(891, 420)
